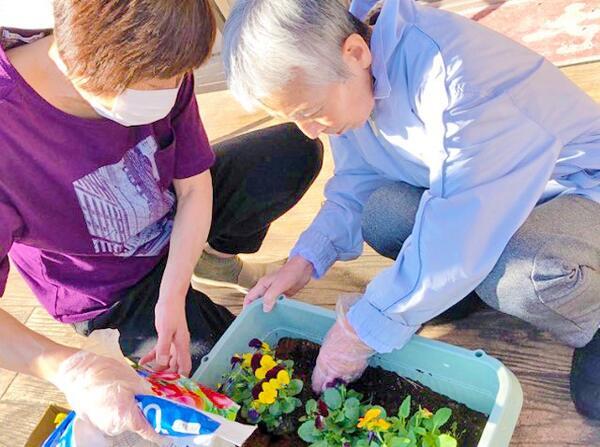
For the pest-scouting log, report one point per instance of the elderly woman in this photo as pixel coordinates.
(470, 160)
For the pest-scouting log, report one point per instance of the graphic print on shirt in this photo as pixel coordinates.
(125, 210)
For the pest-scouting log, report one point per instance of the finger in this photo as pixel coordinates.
(173, 359)
(184, 358)
(142, 427)
(163, 349)
(148, 357)
(271, 294)
(256, 292)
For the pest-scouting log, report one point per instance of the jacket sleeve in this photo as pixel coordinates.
(335, 234)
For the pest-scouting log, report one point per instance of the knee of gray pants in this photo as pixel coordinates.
(389, 216)
(550, 281)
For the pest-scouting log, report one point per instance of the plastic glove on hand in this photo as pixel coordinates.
(343, 355)
(102, 390)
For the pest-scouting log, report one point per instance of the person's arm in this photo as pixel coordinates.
(25, 351)
(193, 186)
(190, 231)
(335, 233)
(494, 164)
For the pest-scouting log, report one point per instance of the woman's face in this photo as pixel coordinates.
(332, 108)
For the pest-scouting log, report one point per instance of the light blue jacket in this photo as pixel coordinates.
(487, 126)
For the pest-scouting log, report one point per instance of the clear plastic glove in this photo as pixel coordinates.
(102, 391)
(288, 280)
(343, 355)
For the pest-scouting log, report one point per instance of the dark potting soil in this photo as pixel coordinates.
(381, 387)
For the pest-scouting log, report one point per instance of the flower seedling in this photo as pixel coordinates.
(264, 386)
(333, 419)
(339, 419)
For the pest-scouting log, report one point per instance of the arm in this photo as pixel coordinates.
(193, 186)
(190, 231)
(494, 165)
(334, 234)
(28, 352)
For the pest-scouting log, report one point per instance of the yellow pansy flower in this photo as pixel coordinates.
(369, 416)
(382, 425)
(246, 360)
(425, 413)
(283, 377)
(266, 363)
(268, 394)
(373, 422)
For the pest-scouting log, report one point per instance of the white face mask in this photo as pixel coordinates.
(132, 107)
(138, 107)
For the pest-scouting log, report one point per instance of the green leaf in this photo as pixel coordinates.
(446, 441)
(289, 405)
(275, 409)
(311, 406)
(295, 387)
(352, 413)
(441, 417)
(321, 443)
(289, 364)
(399, 442)
(332, 398)
(308, 432)
(404, 411)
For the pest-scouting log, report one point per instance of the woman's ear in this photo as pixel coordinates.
(356, 52)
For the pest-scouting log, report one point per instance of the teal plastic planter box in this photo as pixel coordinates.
(472, 377)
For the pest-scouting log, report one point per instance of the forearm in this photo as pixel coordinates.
(25, 351)
(189, 235)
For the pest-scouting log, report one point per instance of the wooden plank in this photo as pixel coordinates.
(18, 419)
(6, 378)
(542, 366)
(587, 77)
(32, 390)
(40, 321)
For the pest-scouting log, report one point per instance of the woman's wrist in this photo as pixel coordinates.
(46, 365)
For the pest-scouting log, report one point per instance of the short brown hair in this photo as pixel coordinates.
(112, 44)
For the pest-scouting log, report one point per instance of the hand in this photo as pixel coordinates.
(102, 391)
(289, 280)
(172, 350)
(343, 355)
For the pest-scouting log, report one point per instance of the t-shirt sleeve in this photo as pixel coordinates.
(193, 153)
(10, 227)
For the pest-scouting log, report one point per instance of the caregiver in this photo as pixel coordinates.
(106, 195)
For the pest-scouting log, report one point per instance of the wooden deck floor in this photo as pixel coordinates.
(541, 364)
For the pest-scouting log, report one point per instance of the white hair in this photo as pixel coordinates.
(267, 43)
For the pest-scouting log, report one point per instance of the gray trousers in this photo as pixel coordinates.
(548, 274)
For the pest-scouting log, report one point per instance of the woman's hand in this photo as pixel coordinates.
(172, 350)
(289, 280)
(343, 354)
(102, 390)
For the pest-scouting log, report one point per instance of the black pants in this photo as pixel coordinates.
(256, 179)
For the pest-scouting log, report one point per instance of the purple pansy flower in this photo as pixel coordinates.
(253, 415)
(319, 423)
(323, 410)
(255, 343)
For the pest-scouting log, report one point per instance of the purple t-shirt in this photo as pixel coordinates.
(87, 205)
